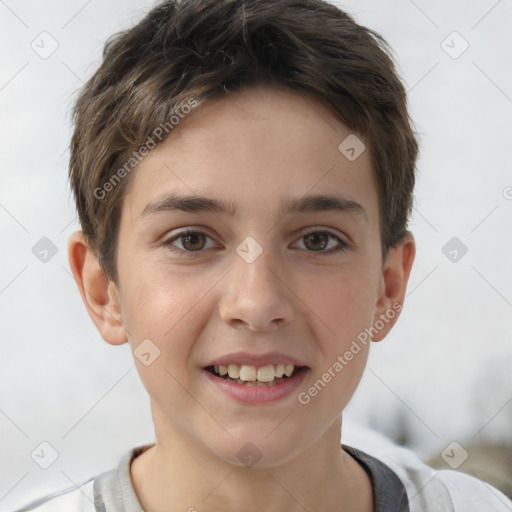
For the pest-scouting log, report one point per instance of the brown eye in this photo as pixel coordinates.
(189, 243)
(316, 241)
(193, 241)
(323, 243)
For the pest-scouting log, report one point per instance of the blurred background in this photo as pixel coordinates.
(443, 375)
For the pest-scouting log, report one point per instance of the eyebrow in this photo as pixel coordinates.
(305, 204)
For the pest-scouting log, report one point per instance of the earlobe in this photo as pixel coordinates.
(100, 296)
(393, 286)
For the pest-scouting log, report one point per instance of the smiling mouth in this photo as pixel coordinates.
(249, 375)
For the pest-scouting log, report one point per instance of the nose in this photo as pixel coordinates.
(256, 296)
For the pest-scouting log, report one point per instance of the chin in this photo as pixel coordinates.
(254, 450)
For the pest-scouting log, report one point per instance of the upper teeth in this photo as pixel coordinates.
(250, 373)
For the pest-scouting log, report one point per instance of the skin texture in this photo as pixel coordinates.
(253, 148)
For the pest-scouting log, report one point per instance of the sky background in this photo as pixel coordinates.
(442, 375)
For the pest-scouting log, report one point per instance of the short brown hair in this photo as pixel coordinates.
(192, 50)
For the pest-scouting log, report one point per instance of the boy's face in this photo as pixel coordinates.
(280, 296)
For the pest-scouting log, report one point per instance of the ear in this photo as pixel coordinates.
(100, 296)
(393, 285)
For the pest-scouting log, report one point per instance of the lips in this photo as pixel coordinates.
(256, 378)
(255, 391)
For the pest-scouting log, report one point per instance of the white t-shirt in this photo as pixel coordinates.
(401, 483)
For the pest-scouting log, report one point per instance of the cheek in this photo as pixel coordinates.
(158, 310)
(172, 309)
(163, 319)
(160, 301)
(343, 302)
(327, 394)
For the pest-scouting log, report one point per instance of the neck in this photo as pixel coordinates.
(181, 472)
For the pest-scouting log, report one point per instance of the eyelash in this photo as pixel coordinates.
(192, 254)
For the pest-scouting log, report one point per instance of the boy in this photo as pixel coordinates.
(243, 172)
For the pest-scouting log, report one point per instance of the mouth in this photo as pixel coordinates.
(249, 375)
(252, 378)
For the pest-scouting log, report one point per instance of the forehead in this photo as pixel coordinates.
(253, 148)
